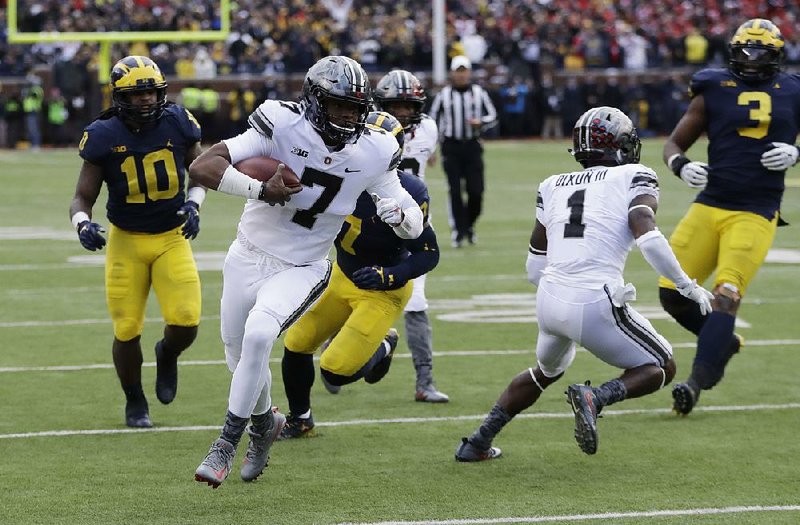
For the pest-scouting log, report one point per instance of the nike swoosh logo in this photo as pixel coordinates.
(348, 170)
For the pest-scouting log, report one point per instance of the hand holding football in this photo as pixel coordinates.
(274, 190)
(263, 169)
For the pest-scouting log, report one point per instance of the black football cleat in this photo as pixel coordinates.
(684, 398)
(581, 399)
(137, 414)
(297, 427)
(166, 374)
(381, 368)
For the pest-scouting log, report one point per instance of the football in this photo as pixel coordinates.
(263, 168)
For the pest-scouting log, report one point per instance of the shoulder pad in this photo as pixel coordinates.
(706, 78)
(273, 113)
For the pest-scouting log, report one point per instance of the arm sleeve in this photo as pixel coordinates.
(535, 265)
(424, 257)
(249, 144)
(659, 255)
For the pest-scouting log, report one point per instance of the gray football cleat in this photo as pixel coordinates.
(217, 465)
(581, 399)
(430, 394)
(257, 456)
(468, 453)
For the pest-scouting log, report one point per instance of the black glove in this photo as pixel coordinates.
(373, 278)
(89, 235)
(191, 227)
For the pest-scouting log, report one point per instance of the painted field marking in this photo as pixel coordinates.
(404, 355)
(599, 517)
(401, 420)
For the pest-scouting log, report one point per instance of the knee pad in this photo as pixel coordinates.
(261, 330)
(542, 381)
(685, 311)
(127, 328)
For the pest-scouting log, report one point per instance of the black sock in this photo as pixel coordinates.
(134, 393)
(610, 393)
(492, 425)
(262, 422)
(298, 378)
(233, 429)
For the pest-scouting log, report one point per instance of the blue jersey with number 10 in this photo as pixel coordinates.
(741, 121)
(144, 171)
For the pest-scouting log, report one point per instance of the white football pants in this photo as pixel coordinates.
(620, 336)
(261, 297)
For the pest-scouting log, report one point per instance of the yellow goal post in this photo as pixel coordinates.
(106, 39)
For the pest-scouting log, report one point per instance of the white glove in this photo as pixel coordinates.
(623, 294)
(781, 157)
(388, 210)
(698, 294)
(695, 174)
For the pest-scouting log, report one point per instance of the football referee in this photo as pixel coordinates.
(463, 111)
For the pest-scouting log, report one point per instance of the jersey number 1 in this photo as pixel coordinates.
(574, 228)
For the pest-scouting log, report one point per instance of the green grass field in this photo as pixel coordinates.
(66, 456)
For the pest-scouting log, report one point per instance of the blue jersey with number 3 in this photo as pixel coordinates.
(144, 171)
(741, 121)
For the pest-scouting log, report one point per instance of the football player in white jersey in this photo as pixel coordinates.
(402, 94)
(278, 264)
(586, 223)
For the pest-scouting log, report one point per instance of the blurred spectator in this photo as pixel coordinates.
(696, 47)
(514, 105)
(552, 98)
(204, 67)
(241, 103)
(57, 115)
(32, 99)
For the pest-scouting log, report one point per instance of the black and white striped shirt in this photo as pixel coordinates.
(453, 109)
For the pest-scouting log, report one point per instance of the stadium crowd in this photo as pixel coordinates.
(542, 60)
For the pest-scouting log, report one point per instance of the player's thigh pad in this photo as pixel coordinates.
(176, 281)
(373, 313)
(695, 242)
(418, 301)
(558, 325)
(622, 337)
(323, 319)
(127, 276)
(746, 239)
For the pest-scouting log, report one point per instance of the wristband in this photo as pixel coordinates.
(79, 217)
(234, 182)
(677, 162)
(196, 194)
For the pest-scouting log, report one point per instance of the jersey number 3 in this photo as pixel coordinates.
(761, 113)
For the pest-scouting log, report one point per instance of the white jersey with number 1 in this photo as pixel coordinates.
(586, 217)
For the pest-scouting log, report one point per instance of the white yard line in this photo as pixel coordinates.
(605, 516)
(403, 420)
(454, 353)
